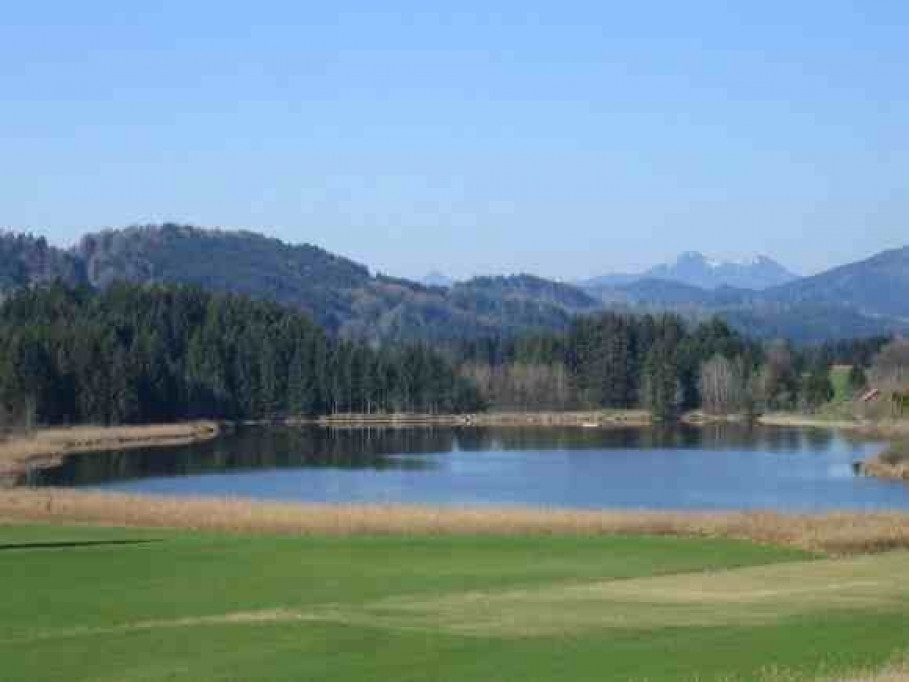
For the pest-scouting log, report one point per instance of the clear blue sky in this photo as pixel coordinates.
(563, 138)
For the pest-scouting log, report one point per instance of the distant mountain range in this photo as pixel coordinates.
(697, 270)
(860, 299)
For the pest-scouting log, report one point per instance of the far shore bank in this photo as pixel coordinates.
(47, 447)
(892, 464)
(582, 418)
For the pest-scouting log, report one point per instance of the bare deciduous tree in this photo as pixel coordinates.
(891, 366)
(722, 386)
(522, 386)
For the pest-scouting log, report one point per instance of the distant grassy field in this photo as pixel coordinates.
(839, 377)
(85, 603)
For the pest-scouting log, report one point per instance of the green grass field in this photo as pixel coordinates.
(839, 378)
(122, 604)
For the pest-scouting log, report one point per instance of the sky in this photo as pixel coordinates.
(566, 139)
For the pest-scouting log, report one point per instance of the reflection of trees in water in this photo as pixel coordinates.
(372, 448)
(708, 437)
(258, 448)
(818, 439)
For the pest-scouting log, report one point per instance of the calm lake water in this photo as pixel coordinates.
(722, 467)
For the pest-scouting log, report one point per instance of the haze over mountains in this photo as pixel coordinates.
(697, 270)
(759, 296)
(437, 279)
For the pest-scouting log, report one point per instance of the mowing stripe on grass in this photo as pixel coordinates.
(745, 596)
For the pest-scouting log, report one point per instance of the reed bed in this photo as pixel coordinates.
(881, 467)
(48, 445)
(834, 533)
(893, 463)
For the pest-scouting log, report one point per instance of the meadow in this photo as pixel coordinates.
(105, 603)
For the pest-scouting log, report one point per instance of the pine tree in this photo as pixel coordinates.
(662, 390)
(817, 388)
(858, 380)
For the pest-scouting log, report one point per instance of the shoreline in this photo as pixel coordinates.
(892, 464)
(580, 418)
(835, 533)
(48, 447)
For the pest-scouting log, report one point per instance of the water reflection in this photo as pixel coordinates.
(712, 467)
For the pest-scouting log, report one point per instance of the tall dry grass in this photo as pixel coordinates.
(898, 671)
(893, 463)
(894, 674)
(45, 446)
(834, 533)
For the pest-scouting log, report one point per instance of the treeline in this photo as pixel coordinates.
(604, 361)
(149, 353)
(139, 354)
(657, 362)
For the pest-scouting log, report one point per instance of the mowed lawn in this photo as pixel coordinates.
(82, 603)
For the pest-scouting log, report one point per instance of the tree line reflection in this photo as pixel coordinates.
(252, 448)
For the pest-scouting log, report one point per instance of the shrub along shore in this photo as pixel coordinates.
(893, 463)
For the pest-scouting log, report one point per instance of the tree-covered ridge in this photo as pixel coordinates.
(878, 285)
(26, 260)
(349, 302)
(302, 276)
(529, 288)
(339, 294)
(134, 354)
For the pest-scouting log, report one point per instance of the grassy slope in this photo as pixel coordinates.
(191, 606)
(839, 378)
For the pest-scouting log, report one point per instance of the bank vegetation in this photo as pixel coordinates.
(48, 446)
(833, 533)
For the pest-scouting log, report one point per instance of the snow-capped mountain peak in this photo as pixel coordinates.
(694, 268)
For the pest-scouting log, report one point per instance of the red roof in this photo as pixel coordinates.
(873, 394)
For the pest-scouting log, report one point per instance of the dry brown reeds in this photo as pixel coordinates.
(497, 418)
(47, 446)
(893, 463)
(897, 671)
(880, 467)
(834, 533)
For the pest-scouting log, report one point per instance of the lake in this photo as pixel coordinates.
(713, 467)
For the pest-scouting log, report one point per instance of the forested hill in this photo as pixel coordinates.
(26, 261)
(348, 301)
(304, 276)
(339, 294)
(877, 285)
(133, 354)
